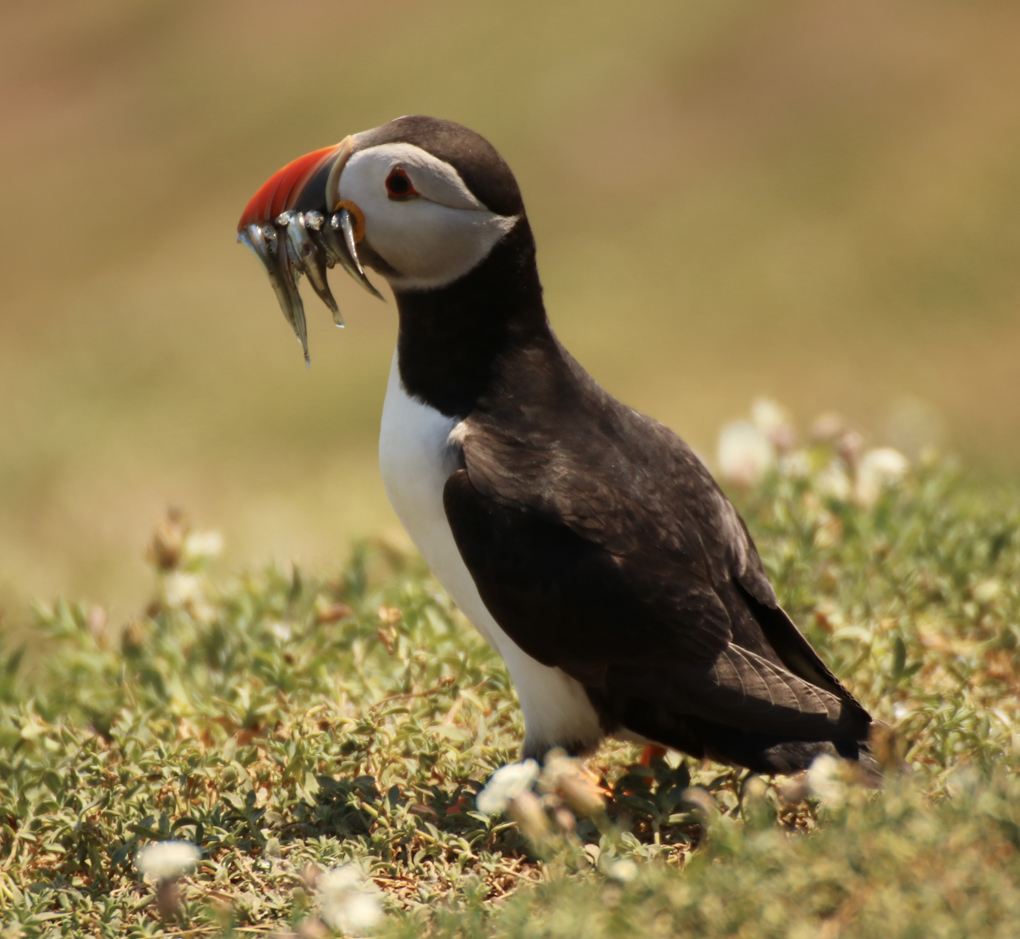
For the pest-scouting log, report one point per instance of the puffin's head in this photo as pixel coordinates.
(419, 200)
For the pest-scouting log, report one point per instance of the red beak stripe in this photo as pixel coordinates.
(281, 190)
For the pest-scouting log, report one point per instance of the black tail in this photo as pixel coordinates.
(758, 752)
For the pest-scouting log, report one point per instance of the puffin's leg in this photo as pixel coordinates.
(651, 752)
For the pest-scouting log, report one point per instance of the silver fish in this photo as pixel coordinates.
(308, 257)
(341, 222)
(289, 297)
(265, 243)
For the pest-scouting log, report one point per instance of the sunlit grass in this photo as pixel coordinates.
(288, 723)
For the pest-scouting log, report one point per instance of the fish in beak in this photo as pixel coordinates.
(296, 224)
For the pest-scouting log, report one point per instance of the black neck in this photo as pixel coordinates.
(452, 339)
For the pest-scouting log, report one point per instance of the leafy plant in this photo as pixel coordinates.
(288, 725)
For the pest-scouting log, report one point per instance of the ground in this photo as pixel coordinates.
(290, 724)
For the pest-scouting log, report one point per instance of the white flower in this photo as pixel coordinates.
(833, 481)
(824, 782)
(745, 453)
(774, 422)
(879, 469)
(348, 900)
(828, 428)
(505, 784)
(168, 860)
(181, 588)
(796, 464)
(203, 544)
(623, 871)
(792, 790)
(527, 810)
(564, 775)
(987, 590)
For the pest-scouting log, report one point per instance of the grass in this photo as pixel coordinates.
(288, 724)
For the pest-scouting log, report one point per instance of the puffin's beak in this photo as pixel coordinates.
(296, 224)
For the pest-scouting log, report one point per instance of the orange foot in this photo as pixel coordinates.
(651, 752)
(458, 807)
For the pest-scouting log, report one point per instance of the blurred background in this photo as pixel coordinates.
(817, 200)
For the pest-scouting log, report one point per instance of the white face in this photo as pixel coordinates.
(433, 235)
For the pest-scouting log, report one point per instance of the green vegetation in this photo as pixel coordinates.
(288, 725)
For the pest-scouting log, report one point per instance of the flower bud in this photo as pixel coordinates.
(526, 809)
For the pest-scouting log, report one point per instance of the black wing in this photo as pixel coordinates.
(602, 546)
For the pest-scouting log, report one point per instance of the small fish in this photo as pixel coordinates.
(308, 258)
(341, 222)
(265, 243)
(285, 285)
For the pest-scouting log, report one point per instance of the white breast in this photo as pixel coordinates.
(416, 459)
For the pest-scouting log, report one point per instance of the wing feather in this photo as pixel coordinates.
(603, 546)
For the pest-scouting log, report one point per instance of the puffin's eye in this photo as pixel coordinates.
(398, 185)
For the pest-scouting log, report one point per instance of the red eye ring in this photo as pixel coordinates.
(399, 186)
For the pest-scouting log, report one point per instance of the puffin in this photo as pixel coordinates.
(585, 541)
